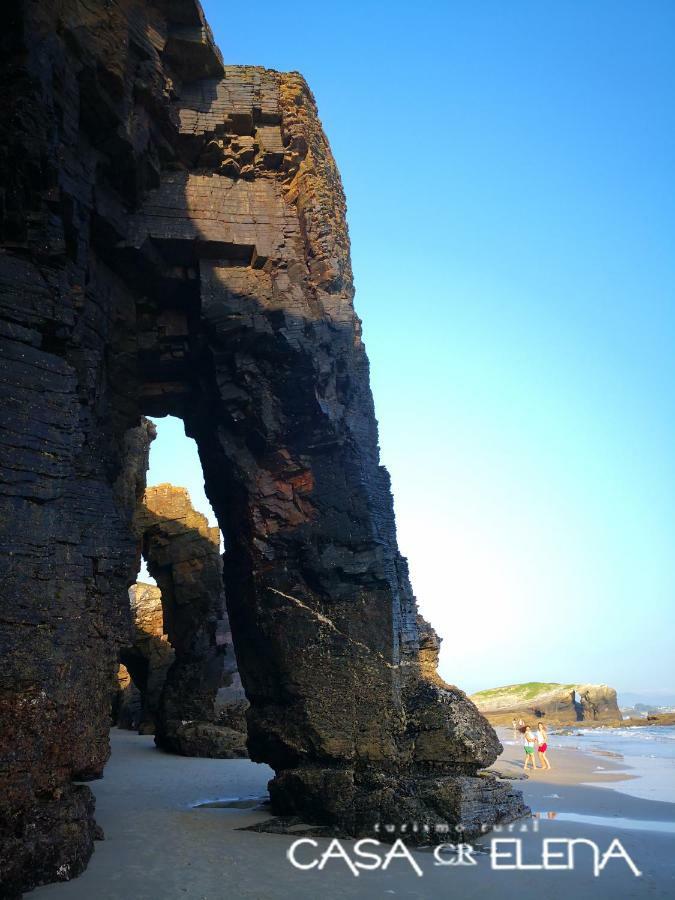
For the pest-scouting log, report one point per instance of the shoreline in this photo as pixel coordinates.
(657, 720)
(568, 766)
(586, 758)
(158, 843)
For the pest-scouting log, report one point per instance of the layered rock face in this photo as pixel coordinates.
(205, 681)
(562, 704)
(231, 704)
(174, 241)
(127, 704)
(186, 610)
(598, 703)
(148, 658)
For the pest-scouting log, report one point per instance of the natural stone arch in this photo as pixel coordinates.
(175, 242)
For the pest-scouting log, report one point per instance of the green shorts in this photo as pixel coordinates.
(529, 749)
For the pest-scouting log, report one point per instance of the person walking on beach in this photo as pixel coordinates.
(528, 743)
(542, 746)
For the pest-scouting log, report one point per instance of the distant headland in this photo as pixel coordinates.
(561, 704)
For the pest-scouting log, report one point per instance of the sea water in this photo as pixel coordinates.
(646, 753)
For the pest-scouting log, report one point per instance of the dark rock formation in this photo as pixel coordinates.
(148, 658)
(174, 241)
(231, 704)
(187, 608)
(127, 703)
(562, 704)
(205, 681)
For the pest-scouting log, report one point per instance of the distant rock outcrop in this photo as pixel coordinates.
(652, 720)
(563, 704)
(598, 703)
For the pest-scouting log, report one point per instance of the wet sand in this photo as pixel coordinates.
(158, 846)
(568, 767)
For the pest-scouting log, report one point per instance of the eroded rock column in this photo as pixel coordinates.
(183, 555)
(322, 612)
(148, 658)
(127, 704)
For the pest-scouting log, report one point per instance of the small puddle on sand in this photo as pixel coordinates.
(609, 821)
(232, 803)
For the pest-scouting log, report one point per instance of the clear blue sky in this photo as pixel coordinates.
(509, 172)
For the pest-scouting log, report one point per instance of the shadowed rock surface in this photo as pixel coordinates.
(127, 704)
(563, 704)
(187, 609)
(148, 658)
(174, 241)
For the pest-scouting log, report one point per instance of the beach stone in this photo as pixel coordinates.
(135, 279)
(208, 739)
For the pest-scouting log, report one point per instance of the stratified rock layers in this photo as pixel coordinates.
(598, 703)
(147, 659)
(174, 241)
(127, 703)
(183, 555)
(562, 704)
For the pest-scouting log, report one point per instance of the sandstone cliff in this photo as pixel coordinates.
(563, 704)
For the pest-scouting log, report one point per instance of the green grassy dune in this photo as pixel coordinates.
(526, 691)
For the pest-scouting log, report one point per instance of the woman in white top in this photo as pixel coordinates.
(542, 746)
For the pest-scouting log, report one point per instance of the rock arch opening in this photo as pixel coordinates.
(183, 555)
(178, 676)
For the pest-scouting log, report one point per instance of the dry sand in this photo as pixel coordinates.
(158, 847)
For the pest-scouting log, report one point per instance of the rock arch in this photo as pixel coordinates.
(174, 241)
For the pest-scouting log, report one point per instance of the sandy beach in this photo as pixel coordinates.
(160, 845)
